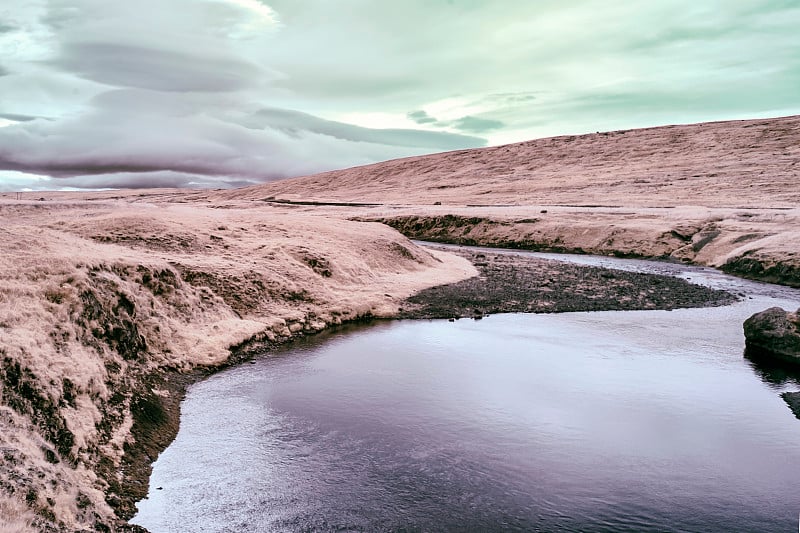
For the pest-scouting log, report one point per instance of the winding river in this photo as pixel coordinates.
(604, 421)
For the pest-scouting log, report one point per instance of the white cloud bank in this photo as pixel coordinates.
(172, 94)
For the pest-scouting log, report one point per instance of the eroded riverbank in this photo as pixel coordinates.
(506, 283)
(602, 421)
(522, 283)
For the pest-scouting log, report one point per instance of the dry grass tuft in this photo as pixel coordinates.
(15, 516)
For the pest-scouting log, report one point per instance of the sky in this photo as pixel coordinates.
(228, 93)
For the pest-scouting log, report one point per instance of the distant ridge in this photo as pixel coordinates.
(716, 164)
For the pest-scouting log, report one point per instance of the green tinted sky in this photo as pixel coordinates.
(229, 92)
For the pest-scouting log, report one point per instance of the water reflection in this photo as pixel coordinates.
(771, 370)
(792, 399)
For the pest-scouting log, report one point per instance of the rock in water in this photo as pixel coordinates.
(774, 332)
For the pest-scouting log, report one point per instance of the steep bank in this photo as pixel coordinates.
(764, 246)
(107, 308)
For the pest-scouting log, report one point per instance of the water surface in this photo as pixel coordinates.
(615, 421)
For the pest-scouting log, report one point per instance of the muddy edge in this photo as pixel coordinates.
(505, 284)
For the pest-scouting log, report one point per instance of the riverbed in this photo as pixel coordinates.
(601, 421)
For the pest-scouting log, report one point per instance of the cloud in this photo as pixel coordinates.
(293, 122)
(477, 124)
(175, 95)
(157, 69)
(18, 181)
(203, 92)
(181, 45)
(468, 123)
(420, 117)
(506, 99)
(18, 118)
(535, 58)
(152, 179)
(175, 140)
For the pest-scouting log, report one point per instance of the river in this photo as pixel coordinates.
(604, 421)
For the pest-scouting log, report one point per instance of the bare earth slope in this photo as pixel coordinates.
(725, 194)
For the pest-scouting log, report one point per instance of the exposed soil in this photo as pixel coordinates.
(519, 284)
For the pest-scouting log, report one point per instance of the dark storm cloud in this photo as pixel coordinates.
(126, 180)
(168, 140)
